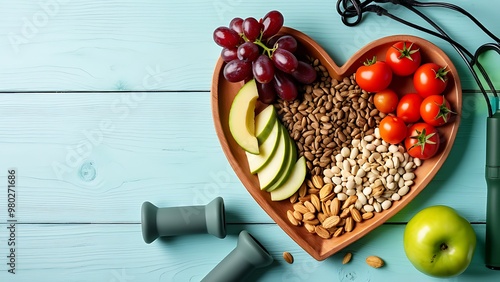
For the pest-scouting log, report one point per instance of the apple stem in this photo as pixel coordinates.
(443, 247)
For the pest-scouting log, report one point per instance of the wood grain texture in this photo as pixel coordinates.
(164, 149)
(58, 45)
(116, 252)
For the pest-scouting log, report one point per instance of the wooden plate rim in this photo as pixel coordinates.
(326, 248)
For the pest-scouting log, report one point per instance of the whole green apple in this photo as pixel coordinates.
(439, 242)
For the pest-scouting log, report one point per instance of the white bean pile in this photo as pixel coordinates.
(376, 172)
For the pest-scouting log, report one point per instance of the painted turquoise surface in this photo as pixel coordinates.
(106, 104)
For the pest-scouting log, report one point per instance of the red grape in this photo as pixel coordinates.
(287, 42)
(305, 73)
(253, 49)
(271, 41)
(272, 23)
(263, 69)
(284, 60)
(251, 28)
(236, 25)
(226, 37)
(248, 51)
(267, 94)
(229, 54)
(285, 86)
(237, 70)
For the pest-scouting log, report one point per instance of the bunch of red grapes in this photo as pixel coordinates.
(252, 49)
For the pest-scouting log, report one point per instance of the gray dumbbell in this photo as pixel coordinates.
(172, 221)
(248, 255)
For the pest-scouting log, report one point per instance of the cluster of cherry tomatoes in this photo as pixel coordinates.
(413, 117)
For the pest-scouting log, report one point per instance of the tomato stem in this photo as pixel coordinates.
(406, 52)
(370, 62)
(441, 73)
(422, 139)
(443, 111)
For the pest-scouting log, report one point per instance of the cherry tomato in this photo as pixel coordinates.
(386, 101)
(435, 110)
(409, 107)
(403, 57)
(392, 129)
(374, 76)
(422, 141)
(430, 79)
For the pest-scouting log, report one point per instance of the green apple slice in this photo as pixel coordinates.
(293, 183)
(264, 123)
(242, 117)
(292, 158)
(266, 150)
(276, 166)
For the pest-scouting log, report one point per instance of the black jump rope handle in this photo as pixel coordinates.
(492, 246)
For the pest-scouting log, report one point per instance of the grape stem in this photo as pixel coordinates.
(267, 50)
(258, 42)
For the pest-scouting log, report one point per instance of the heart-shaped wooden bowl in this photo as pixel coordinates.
(223, 93)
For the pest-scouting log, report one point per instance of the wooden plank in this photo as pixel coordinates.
(162, 148)
(116, 252)
(58, 45)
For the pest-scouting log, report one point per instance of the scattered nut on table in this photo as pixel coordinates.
(374, 261)
(288, 257)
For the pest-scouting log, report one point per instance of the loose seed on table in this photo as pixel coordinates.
(288, 257)
(374, 261)
(347, 258)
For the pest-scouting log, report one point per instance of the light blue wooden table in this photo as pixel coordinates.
(105, 105)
